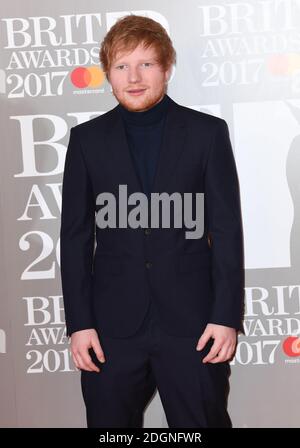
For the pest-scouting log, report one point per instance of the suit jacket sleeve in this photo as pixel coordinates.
(225, 228)
(77, 235)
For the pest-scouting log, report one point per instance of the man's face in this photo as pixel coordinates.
(138, 81)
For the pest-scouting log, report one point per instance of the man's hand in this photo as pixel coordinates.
(225, 339)
(81, 341)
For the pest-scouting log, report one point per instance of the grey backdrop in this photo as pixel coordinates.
(236, 59)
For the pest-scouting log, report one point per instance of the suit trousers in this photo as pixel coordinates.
(193, 394)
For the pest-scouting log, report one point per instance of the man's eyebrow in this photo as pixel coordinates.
(122, 61)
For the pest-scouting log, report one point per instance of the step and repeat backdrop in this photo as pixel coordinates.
(239, 60)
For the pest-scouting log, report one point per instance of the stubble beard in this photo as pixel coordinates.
(135, 105)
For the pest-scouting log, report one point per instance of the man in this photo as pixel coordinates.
(151, 308)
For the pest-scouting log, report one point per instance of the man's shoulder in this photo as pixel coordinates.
(97, 123)
(199, 117)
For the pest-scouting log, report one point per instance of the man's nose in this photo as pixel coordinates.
(134, 75)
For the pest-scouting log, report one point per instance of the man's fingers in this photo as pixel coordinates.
(231, 351)
(81, 343)
(75, 361)
(98, 350)
(83, 361)
(80, 363)
(219, 353)
(215, 348)
(221, 356)
(88, 363)
(203, 340)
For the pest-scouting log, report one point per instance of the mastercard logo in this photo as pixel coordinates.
(284, 64)
(291, 346)
(83, 77)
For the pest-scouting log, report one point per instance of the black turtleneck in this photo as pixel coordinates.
(144, 132)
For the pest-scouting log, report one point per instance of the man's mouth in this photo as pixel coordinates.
(136, 92)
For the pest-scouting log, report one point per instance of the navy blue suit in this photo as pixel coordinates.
(187, 282)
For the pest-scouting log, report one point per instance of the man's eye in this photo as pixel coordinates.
(147, 64)
(120, 67)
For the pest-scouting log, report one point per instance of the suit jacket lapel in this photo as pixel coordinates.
(172, 146)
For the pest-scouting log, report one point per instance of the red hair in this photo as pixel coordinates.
(130, 31)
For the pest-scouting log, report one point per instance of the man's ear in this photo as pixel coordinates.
(168, 73)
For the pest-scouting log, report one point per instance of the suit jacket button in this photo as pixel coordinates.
(147, 231)
(148, 264)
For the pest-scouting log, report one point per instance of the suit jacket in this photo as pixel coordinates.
(191, 282)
